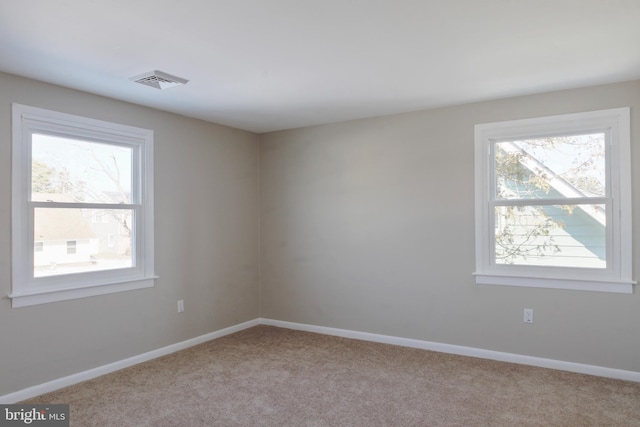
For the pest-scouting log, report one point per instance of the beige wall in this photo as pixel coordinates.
(366, 225)
(369, 225)
(206, 246)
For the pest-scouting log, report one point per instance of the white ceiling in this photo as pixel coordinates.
(264, 65)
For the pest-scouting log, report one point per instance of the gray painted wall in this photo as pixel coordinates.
(364, 225)
(206, 246)
(369, 225)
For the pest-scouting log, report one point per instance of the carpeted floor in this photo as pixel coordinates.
(267, 376)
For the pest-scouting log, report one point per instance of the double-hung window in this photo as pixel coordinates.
(78, 186)
(553, 202)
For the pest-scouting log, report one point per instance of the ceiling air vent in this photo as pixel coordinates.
(158, 79)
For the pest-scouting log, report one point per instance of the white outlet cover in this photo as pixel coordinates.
(528, 315)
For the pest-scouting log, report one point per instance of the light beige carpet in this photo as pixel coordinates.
(267, 376)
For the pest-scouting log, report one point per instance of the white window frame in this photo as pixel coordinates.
(617, 277)
(27, 290)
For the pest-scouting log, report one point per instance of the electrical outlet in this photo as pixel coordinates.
(528, 315)
(180, 306)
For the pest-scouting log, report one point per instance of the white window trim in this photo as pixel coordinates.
(618, 276)
(27, 290)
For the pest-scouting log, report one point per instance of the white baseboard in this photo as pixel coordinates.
(463, 351)
(59, 383)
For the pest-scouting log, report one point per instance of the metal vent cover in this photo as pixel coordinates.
(158, 79)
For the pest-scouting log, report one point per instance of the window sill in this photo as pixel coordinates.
(620, 287)
(47, 296)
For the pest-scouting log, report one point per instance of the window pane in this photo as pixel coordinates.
(71, 170)
(69, 241)
(554, 167)
(562, 236)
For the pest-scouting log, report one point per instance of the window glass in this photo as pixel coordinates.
(552, 167)
(551, 235)
(81, 171)
(75, 244)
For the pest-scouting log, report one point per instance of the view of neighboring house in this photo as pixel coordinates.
(62, 236)
(76, 240)
(559, 234)
(112, 227)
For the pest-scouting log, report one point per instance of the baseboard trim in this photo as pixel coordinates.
(59, 383)
(462, 351)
